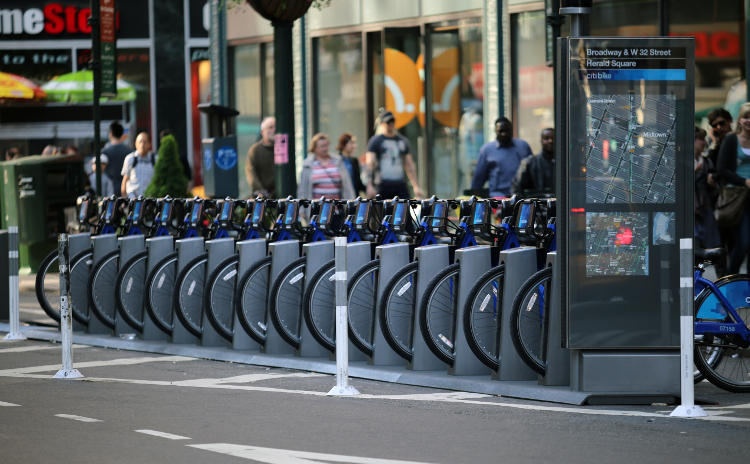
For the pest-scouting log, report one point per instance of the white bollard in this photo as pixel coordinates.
(342, 387)
(15, 322)
(66, 319)
(687, 408)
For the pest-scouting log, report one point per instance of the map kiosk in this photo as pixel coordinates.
(625, 119)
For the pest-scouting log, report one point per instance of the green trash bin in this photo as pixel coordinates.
(39, 197)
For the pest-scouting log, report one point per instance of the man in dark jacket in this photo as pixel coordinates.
(537, 172)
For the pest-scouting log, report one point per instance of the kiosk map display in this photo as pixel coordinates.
(616, 244)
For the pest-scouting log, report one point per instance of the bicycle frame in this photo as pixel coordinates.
(737, 329)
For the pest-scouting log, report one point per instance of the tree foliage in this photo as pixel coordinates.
(169, 178)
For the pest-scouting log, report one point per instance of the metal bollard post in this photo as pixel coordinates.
(15, 323)
(342, 387)
(687, 408)
(66, 318)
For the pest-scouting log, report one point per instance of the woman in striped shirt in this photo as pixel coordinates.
(324, 173)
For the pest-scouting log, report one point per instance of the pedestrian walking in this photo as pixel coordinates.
(499, 160)
(388, 157)
(537, 172)
(324, 173)
(734, 168)
(107, 185)
(116, 151)
(720, 121)
(347, 148)
(706, 190)
(138, 167)
(260, 169)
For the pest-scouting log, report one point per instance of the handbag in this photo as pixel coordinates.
(730, 206)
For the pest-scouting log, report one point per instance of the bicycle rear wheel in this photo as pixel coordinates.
(319, 306)
(362, 294)
(286, 301)
(129, 290)
(732, 371)
(159, 292)
(529, 320)
(101, 283)
(218, 302)
(483, 317)
(437, 313)
(251, 300)
(397, 310)
(188, 294)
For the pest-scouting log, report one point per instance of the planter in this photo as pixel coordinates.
(280, 10)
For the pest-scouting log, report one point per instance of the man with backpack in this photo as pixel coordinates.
(138, 167)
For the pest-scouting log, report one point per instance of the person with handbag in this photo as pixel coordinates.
(732, 207)
(706, 190)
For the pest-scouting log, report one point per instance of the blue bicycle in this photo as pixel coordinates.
(722, 337)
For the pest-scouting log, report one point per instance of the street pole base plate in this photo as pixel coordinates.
(343, 391)
(13, 337)
(71, 374)
(689, 411)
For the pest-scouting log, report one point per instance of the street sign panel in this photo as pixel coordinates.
(108, 48)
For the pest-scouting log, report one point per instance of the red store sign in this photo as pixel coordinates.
(54, 18)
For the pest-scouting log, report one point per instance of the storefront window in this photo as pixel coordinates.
(631, 18)
(340, 88)
(247, 96)
(533, 80)
(456, 105)
(717, 28)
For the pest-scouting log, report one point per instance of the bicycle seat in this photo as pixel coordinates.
(713, 254)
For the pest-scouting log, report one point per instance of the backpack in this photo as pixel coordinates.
(151, 159)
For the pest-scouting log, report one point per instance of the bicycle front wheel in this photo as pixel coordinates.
(188, 294)
(483, 317)
(129, 290)
(159, 291)
(218, 302)
(319, 306)
(251, 300)
(362, 294)
(529, 320)
(437, 313)
(47, 285)
(101, 283)
(397, 310)
(286, 301)
(732, 371)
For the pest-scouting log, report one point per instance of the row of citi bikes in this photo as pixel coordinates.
(230, 300)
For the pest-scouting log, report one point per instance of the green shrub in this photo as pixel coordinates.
(169, 178)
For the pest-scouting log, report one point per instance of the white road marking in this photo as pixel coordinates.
(78, 418)
(21, 349)
(2, 403)
(280, 456)
(163, 434)
(82, 365)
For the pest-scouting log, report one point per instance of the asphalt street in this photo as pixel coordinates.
(135, 407)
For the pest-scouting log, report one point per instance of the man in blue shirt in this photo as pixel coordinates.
(499, 160)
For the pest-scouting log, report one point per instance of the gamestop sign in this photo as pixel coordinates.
(65, 20)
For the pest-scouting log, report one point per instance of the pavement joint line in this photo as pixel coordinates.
(77, 418)
(3, 403)
(83, 365)
(156, 433)
(23, 349)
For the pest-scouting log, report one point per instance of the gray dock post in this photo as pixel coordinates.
(102, 244)
(475, 261)
(357, 255)
(520, 264)
(218, 250)
(14, 315)
(158, 248)
(187, 249)
(558, 358)
(392, 258)
(78, 243)
(282, 253)
(129, 247)
(431, 260)
(317, 255)
(250, 251)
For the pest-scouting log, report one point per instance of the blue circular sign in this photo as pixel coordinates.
(226, 158)
(207, 159)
